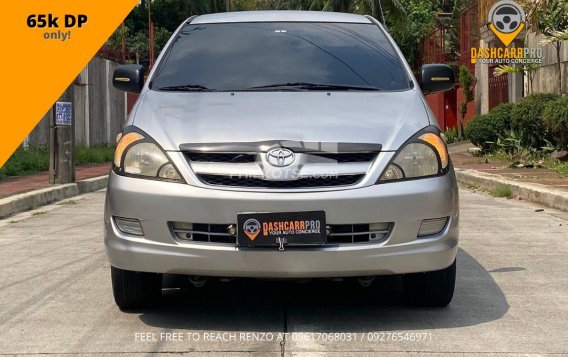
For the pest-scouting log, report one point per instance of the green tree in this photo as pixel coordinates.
(410, 20)
(408, 34)
(467, 85)
(552, 21)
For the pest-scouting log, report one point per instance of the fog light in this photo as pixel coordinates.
(129, 226)
(432, 226)
(182, 230)
(378, 231)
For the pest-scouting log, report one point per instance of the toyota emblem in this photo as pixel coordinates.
(280, 157)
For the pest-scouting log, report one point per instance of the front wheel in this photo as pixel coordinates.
(435, 288)
(132, 289)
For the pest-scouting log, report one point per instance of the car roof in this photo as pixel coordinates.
(280, 16)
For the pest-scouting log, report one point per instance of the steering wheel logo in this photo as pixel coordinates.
(506, 19)
(251, 227)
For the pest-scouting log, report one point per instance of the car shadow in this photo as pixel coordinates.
(326, 305)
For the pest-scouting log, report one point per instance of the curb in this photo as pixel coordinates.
(33, 199)
(532, 192)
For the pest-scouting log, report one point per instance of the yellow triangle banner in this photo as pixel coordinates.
(45, 45)
(506, 38)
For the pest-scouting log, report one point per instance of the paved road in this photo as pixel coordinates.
(511, 297)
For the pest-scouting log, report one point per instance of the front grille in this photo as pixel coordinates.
(308, 182)
(199, 232)
(248, 166)
(313, 157)
(359, 233)
(342, 157)
(237, 158)
(337, 234)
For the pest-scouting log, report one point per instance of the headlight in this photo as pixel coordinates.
(424, 156)
(137, 155)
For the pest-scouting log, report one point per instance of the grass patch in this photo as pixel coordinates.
(471, 187)
(452, 136)
(26, 162)
(36, 159)
(93, 155)
(38, 213)
(561, 167)
(502, 191)
(68, 203)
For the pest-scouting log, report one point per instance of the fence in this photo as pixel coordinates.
(546, 75)
(99, 109)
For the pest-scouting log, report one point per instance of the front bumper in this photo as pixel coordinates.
(406, 204)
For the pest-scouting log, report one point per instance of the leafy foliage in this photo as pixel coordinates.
(481, 132)
(555, 117)
(526, 69)
(552, 21)
(408, 21)
(509, 144)
(526, 119)
(467, 85)
(484, 130)
(418, 21)
(501, 115)
(452, 136)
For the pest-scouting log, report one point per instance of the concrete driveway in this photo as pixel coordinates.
(511, 296)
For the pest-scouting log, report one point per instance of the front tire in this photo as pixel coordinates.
(434, 289)
(132, 289)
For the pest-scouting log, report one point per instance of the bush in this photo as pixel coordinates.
(484, 130)
(480, 130)
(555, 118)
(526, 119)
(501, 115)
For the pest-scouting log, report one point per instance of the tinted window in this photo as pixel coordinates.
(240, 56)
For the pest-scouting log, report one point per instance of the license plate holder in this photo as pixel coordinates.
(291, 228)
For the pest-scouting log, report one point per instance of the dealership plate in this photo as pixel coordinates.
(275, 229)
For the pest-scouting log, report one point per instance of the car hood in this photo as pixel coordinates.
(176, 118)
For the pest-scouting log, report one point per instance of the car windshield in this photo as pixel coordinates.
(280, 56)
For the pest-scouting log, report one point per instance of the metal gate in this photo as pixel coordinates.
(498, 88)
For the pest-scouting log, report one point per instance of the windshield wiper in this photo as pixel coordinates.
(315, 86)
(187, 88)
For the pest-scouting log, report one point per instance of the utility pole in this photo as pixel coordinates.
(62, 139)
(227, 5)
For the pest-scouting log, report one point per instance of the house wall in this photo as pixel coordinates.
(545, 78)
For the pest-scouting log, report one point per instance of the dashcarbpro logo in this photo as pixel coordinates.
(506, 19)
(251, 227)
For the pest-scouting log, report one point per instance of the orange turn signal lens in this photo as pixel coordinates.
(123, 143)
(439, 145)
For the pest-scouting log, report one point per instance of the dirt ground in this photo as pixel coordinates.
(461, 158)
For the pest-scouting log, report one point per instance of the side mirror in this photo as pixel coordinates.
(128, 78)
(436, 78)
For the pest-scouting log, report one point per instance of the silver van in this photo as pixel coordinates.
(281, 144)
